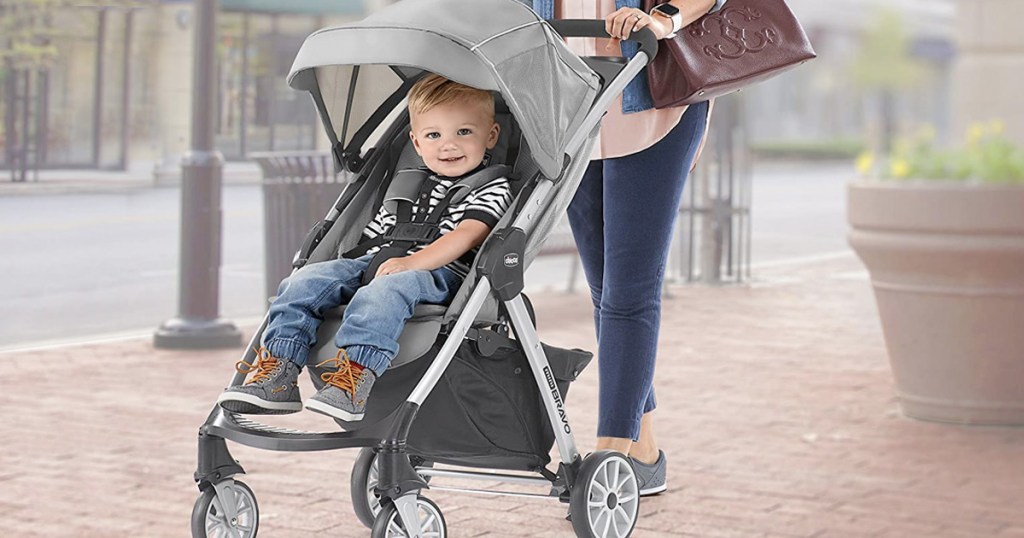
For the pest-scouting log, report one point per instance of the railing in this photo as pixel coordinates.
(712, 240)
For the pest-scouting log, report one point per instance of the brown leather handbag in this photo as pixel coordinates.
(747, 41)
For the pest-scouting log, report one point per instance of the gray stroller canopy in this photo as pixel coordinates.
(498, 45)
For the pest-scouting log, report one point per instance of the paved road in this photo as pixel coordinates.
(88, 264)
(81, 265)
(799, 210)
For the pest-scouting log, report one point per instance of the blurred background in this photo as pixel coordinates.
(96, 107)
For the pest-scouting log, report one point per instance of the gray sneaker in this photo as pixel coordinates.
(272, 390)
(651, 477)
(344, 395)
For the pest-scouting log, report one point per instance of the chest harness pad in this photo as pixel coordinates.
(408, 198)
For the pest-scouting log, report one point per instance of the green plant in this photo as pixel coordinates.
(836, 148)
(884, 66)
(988, 157)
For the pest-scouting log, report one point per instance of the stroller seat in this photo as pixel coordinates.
(419, 334)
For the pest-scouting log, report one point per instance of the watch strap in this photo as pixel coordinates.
(677, 20)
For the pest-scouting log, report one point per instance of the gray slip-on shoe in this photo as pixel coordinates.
(651, 477)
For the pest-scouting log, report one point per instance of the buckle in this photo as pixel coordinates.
(417, 232)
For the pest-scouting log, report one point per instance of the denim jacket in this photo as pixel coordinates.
(636, 97)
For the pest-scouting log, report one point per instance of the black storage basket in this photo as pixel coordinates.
(486, 411)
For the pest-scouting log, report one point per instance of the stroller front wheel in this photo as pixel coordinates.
(228, 509)
(389, 525)
(605, 501)
(364, 477)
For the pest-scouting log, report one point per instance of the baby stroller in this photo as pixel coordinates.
(472, 388)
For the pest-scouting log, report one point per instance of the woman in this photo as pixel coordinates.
(622, 218)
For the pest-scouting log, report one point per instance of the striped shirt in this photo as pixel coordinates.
(486, 204)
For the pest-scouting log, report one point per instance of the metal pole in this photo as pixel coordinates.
(314, 118)
(126, 86)
(243, 109)
(725, 194)
(275, 22)
(42, 118)
(26, 136)
(97, 89)
(43, 114)
(748, 175)
(197, 325)
(10, 103)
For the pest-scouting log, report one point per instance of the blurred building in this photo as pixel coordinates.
(821, 105)
(989, 72)
(118, 95)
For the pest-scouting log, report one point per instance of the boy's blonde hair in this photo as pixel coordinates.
(433, 90)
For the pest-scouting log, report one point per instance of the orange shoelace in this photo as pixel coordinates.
(345, 377)
(264, 366)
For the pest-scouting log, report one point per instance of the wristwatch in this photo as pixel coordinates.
(672, 13)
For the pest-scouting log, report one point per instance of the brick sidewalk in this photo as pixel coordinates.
(776, 410)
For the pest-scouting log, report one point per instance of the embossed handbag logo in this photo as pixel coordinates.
(737, 27)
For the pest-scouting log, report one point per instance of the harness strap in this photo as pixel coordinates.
(400, 194)
(435, 216)
(416, 223)
(470, 183)
(410, 229)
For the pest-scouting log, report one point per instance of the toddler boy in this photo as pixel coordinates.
(452, 128)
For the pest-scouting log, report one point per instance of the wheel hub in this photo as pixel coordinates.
(613, 501)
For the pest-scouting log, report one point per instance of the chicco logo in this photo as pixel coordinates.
(511, 260)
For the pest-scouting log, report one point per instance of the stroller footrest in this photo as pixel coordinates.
(250, 424)
(248, 432)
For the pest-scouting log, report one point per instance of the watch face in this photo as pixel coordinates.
(668, 9)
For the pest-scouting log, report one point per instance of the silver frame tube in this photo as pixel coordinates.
(553, 403)
(477, 475)
(493, 493)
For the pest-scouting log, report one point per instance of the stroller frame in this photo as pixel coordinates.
(400, 483)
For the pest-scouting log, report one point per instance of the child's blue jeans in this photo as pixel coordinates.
(373, 320)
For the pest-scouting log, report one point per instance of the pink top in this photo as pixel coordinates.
(621, 134)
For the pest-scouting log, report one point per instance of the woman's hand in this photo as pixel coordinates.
(627, 20)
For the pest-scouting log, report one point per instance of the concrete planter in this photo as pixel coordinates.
(947, 264)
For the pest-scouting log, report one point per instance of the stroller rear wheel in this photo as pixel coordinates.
(605, 501)
(231, 513)
(432, 523)
(365, 473)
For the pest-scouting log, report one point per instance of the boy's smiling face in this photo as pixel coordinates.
(452, 137)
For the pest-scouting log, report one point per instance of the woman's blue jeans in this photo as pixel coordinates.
(373, 320)
(622, 217)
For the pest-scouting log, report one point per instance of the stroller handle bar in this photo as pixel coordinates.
(596, 28)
